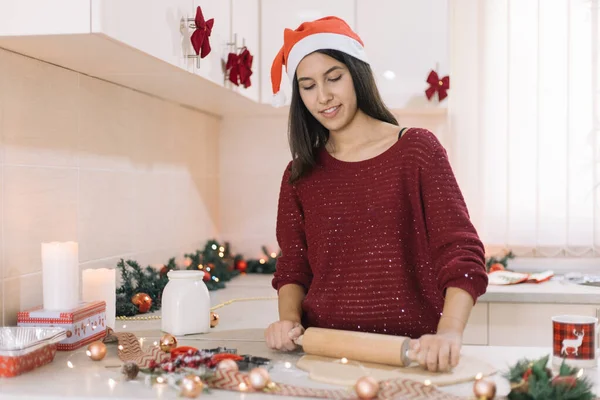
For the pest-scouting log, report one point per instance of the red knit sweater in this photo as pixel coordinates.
(375, 243)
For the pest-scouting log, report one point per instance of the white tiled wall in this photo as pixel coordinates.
(120, 172)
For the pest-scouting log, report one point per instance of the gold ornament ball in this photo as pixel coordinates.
(259, 378)
(96, 351)
(168, 342)
(366, 388)
(214, 319)
(191, 386)
(484, 389)
(227, 365)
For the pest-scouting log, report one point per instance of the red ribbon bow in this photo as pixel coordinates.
(200, 36)
(438, 85)
(240, 68)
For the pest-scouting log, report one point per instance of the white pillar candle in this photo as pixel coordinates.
(100, 285)
(60, 275)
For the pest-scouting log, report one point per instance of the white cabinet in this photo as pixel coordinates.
(404, 40)
(43, 17)
(529, 324)
(152, 26)
(211, 66)
(276, 15)
(244, 27)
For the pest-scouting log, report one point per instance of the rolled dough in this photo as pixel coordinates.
(332, 371)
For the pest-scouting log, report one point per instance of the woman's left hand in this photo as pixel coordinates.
(439, 352)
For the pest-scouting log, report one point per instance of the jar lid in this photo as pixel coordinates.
(185, 274)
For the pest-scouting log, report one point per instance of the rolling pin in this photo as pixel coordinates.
(358, 346)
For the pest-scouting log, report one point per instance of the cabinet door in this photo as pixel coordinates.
(476, 331)
(244, 27)
(152, 26)
(43, 17)
(404, 40)
(276, 15)
(211, 66)
(519, 324)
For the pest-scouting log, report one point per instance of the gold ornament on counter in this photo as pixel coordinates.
(214, 319)
(484, 389)
(227, 365)
(366, 388)
(168, 342)
(191, 386)
(259, 378)
(142, 301)
(96, 351)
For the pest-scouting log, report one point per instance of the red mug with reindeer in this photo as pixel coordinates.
(574, 340)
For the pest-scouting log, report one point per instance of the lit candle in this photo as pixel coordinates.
(100, 285)
(60, 275)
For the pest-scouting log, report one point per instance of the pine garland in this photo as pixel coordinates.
(503, 260)
(264, 265)
(532, 380)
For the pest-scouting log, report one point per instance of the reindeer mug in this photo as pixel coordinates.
(574, 340)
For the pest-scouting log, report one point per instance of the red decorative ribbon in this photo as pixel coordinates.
(240, 68)
(200, 36)
(438, 85)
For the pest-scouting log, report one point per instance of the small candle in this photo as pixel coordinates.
(100, 285)
(60, 275)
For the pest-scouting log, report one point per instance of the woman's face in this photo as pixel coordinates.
(327, 90)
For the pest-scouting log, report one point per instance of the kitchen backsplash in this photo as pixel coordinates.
(122, 173)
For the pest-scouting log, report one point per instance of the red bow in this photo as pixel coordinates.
(438, 85)
(240, 68)
(200, 36)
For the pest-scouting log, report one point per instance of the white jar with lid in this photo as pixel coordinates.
(185, 306)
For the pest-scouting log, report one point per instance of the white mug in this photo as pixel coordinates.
(574, 340)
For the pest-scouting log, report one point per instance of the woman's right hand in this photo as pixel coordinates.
(280, 335)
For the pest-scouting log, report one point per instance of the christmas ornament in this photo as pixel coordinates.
(214, 319)
(200, 36)
(142, 301)
(130, 370)
(437, 85)
(227, 365)
(241, 265)
(484, 389)
(259, 378)
(96, 351)
(168, 342)
(366, 387)
(206, 276)
(191, 386)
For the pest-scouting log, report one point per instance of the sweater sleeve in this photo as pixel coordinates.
(292, 265)
(457, 252)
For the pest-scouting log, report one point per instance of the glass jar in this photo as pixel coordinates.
(185, 304)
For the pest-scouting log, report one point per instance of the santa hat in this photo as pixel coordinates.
(325, 33)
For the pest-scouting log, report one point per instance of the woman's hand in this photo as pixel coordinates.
(439, 352)
(280, 335)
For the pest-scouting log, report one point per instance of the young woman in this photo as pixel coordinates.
(374, 232)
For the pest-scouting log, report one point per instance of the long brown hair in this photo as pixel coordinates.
(307, 136)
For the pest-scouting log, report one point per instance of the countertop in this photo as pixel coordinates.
(241, 326)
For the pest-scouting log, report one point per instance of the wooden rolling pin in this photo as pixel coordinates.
(356, 346)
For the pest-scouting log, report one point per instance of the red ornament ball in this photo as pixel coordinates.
(206, 277)
(241, 265)
(142, 301)
(569, 381)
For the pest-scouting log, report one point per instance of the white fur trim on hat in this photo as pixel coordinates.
(278, 99)
(319, 41)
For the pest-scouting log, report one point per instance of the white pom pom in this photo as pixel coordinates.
(278, 99)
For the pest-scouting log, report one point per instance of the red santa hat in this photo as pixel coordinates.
(325, 33)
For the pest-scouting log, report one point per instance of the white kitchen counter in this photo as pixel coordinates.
(97, 380)
(554, 291)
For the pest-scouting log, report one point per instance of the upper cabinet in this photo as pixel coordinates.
(152, 26)
(276, 15)
(145, 44)
(246, 31)
(405, 40)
